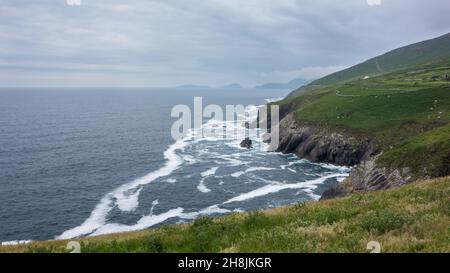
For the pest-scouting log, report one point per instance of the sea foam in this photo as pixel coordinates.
(252, 169)
(268, 189)
(125, 196)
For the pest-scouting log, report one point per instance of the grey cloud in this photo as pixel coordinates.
(214, 42)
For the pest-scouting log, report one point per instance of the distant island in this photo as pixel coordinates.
(294, 84)
(232, 86)
(193, 86)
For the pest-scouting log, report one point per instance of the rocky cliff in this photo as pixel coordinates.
(370, 176)
(321, 144)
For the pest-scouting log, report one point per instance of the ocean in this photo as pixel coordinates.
(83, 162)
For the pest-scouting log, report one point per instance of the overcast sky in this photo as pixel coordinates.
(205, 42)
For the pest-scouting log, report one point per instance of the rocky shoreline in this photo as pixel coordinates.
(323, 145)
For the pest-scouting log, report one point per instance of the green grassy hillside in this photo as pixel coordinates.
(413, 218)
(419, 54)
(407, 113)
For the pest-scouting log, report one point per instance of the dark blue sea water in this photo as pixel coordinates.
(80, 162)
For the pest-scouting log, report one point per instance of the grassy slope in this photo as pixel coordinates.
(399, 110)
(414, 55)
(413, 218)
(427, 153)
(380, 102)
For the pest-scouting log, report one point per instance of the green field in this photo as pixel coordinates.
(378, 103)
(413, 218)
(408, 57)
(406, 113)
(389, 98)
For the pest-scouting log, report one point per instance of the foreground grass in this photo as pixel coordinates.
(413, 218)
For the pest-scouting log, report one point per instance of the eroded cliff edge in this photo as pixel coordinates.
(325, 145)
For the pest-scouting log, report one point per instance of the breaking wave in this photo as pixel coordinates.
(237, 179)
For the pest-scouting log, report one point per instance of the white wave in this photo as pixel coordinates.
(209, 172)
(128, 201)
(154, 204)
(237, 174)
(171, 180)
(214, 209)
(314, 196)
(16, 242)
(334, 167)
(262, 179)
(340, 179)
(95, 225)
(126, 196)
(143, 223)
(311, 194)
(283, 167)
(268, 189)
(232, 161)
(202, 187)
(151, 220)
(95, 220)
(341, 169)
(291, 170)
(252, 169)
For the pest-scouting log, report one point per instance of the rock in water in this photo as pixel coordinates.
(337, 191)
(246, 143)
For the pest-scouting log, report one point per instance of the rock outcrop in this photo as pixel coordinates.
(246, 143)
(321, 145)
(368, 176)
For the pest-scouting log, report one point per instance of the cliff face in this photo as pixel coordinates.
(369, 176)
(323, 145)
(320, 144)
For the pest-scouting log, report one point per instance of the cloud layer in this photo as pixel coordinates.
(213, 42)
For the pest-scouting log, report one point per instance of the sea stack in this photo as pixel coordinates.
(246, 143)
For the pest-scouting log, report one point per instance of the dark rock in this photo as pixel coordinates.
(246, 143)
(370, 176)
(335, 192)
(319, 145)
